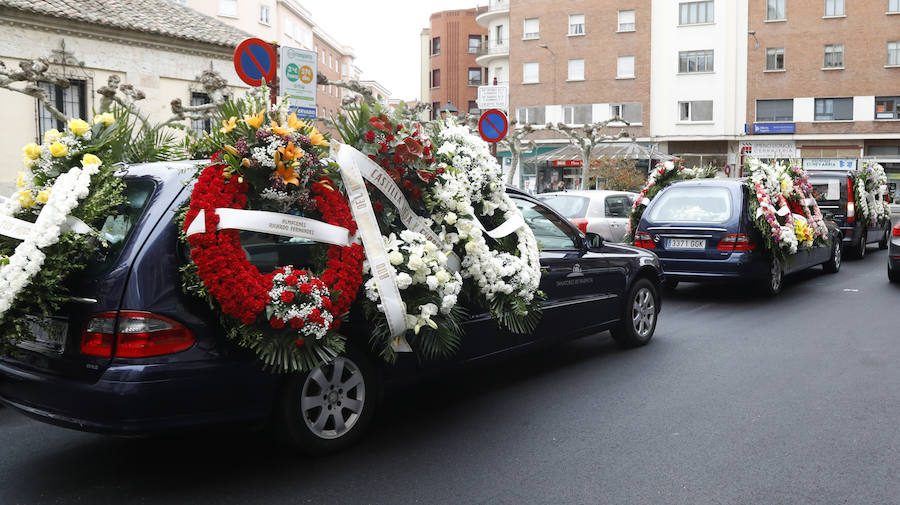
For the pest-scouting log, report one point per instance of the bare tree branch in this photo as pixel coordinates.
(589, 136)
(31, 72)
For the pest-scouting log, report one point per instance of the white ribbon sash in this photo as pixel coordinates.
(273, 223)
(376, 253)
(508, 227)
(20, 230)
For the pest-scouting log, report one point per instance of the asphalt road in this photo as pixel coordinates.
(738, 399)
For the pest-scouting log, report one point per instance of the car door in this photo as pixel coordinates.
(572, 278)
(616, 209)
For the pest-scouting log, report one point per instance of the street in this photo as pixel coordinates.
(733, 402)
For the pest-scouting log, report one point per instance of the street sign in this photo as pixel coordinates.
(254, 61)
(297, 80)
(493, 125)
(493, 97)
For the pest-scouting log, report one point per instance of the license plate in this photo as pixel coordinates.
(49, 336)
(685, 243)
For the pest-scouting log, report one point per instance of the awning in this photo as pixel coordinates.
(631, 150)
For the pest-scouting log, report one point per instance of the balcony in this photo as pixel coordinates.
(496, 49)
(494, 9)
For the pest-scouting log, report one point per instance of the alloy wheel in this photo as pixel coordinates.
(332, 398)
(643, 312)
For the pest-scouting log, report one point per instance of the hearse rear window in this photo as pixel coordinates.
(826, 189)
(704, 204)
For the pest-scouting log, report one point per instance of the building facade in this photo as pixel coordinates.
(453, 41)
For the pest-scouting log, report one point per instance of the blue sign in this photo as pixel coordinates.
(772, 128)
(302, 112)
(493, 125)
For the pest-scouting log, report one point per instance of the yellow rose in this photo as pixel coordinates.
(58, 150)
(90, 159)
(43, 196)
(79, 126)
(51, 136)
(32, 151)
(21, 180)
(25, 199)
(106, 118)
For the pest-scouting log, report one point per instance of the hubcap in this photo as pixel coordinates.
(332, 398)
(643, 312)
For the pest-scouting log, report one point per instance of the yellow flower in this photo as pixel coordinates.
(90, 159)
(43, 196)
(106, 118)
(21, 180)
(25, 199)
(230, 150)
(291, 153)
(32, 151)
(295, 123)
(255, 120)
(317, 138)
(228, 125)
(281, 130)
(79, 126)
(51, 136)
(58, 150)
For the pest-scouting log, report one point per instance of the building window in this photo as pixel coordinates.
(834, 109)
(70, 101)
(834, 7)
(576, 70)
(436, 78)
(531, 29)
(200, 125)
(498, 35)
(533, 115)
(775, 110)
(498, 75)
(692, 13)
(577, 114)
(834, 56)
(695, 61)
(887, 107)
(775, 9)
(576, 24)
(775, 58)
(475, 76)
(473, 107)
(434, 110)
(323, 56)
(228, 8)
(893, 53)
(701, 110)
(626, 21)
(629, 111)
(893, 5)
(265, 15)
(625, 67)
(474, 44)
(530, 73)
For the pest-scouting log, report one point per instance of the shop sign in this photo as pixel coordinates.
(772, 128)
(768, 149)
(828, 164)
(566, 163)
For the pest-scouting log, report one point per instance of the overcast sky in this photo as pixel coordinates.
(384, 35)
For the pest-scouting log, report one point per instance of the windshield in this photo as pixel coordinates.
(705, 204)
(568, 205)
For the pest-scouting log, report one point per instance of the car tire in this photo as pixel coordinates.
(639, 316)
(859, 252)
(670, 284)
(883, 243)
(315, 415)
(833, 265)
(774, 281)
(893, 275)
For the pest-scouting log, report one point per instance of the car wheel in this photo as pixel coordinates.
(772, 284)
(639, 316)
(329, 407)
(670, 284)
(883, 243)
(893, 275)
(860, 250)
(834, 264)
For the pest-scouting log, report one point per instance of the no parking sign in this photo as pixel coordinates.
(493, 125)
(255, 62)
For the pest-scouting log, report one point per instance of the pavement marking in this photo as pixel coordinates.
(848, 290)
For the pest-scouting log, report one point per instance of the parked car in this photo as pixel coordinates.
(594, 211)
(894, 255)
(185, 373)
(701, 230)
(833, 190)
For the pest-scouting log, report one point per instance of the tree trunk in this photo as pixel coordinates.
(510, 177)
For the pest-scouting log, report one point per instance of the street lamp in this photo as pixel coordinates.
(553, 59)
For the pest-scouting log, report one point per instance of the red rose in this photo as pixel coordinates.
(296, 323)
(290, 280)
(389, 137)
(416, 193)
(305, 288)
(370, 136)
(408, 184)
(287, 296)
(276, 322)
(383, 148)
(378, 206)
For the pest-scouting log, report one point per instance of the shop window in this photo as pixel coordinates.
(695, 61)
(626, 21)
(435, 46)
(576, 24)
(834, 56)
(576, 70)
(834, 109)
(533, 115)
(699, 110)
(531, 28)
(692, 13)
(775, 110)
(629, 111)
(887, 107)
(775, 58)
(577, 114)
(775, 10)
(71, 101)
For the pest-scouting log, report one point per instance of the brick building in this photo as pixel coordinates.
(453, 41)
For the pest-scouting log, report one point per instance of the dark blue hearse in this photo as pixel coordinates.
(702, 231)
(134, 354)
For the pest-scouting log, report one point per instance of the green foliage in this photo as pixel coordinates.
(134, 140)
(619, 174)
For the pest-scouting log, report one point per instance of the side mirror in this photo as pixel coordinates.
(593, 240)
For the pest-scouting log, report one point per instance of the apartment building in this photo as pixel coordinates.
(452, 75)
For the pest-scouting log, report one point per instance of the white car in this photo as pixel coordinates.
(597, 211)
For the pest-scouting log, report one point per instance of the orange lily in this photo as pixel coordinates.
(228, 124)
(281, 130)
(290, 153)
(287, 174)
(295, 123)
(317, 138)
(254, 120)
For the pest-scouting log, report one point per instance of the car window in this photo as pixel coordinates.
(828, 189)
(550, 231)
(268, 252)
(617, 205)
(117, 229)
(704, 204)
(568, 205)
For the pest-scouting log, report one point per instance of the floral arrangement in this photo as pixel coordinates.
(66, 198)
(870, 186)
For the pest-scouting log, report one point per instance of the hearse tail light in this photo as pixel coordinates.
(139, 335)
(580, 222)
(896, 231)
(851, 206)
(739, 242)
(643, 239)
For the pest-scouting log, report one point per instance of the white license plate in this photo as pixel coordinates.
(685, 243)
(49, 336)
